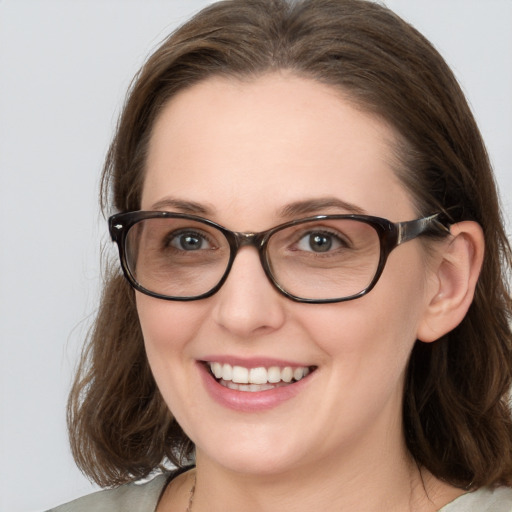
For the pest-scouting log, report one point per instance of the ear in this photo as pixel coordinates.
(455, 272)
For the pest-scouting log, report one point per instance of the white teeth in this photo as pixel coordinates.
(227, 372)
(298, 373)
(287, 374)
(216, 370)
(247, 387)
(274, 374)
(257, 378)
(240, 374)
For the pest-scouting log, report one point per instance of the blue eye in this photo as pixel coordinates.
(189, 241)
(319, 242)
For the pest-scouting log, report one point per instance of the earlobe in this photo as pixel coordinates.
(456, 270)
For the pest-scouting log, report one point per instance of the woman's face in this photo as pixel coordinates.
(251, 155)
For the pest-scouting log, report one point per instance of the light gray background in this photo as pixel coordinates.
(64, 68)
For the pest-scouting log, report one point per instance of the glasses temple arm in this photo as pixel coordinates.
(411, 229)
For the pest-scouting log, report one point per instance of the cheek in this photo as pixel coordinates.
(378, 330)
(166, 325)
(167, 328)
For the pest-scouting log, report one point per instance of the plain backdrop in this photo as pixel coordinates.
(64, 69)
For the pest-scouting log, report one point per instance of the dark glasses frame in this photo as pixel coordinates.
(390, 234)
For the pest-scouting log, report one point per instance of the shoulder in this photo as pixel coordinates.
(130, 497)
(482, 500)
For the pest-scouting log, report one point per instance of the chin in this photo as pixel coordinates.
(255, 464)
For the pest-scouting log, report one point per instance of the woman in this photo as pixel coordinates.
(307, 319)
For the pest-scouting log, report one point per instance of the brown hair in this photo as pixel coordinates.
(456, 416)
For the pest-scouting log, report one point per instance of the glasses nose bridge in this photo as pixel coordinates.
(244, 239)
(248, 239)
(237, 240)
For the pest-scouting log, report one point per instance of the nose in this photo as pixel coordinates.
(247, 304)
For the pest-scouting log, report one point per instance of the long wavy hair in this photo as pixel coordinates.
(456, 415)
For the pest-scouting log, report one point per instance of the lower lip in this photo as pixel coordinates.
(249, 401)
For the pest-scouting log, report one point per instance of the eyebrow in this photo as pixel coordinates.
(183, 206)
(304, 207)
(319, 205)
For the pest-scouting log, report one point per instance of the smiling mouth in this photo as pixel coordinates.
(257, 379)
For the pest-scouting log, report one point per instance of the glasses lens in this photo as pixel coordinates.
(176, 257)
(324, 259)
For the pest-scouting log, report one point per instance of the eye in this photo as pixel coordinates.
(189, 241)
(319, 241)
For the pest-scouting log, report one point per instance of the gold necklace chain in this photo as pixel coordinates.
(191, 494)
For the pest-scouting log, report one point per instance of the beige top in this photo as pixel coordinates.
(127, 498)
(144, 498)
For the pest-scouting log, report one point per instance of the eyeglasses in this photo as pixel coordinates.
(321, 259)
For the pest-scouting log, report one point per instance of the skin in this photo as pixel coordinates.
(242, 151)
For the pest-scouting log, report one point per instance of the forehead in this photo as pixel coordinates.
(246, 148)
